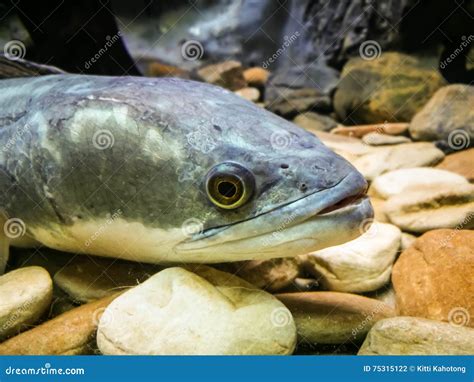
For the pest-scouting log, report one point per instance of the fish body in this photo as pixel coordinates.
(166, 170)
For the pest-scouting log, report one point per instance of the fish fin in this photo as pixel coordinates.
(18, 67)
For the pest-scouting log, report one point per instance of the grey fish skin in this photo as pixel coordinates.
(116, 166)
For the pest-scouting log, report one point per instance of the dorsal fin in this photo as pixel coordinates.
(18, 67)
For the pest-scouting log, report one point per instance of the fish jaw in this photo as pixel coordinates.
(311, 223)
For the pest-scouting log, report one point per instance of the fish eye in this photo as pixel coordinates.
(229, 185)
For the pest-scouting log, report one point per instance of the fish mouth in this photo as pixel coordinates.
(295, 228)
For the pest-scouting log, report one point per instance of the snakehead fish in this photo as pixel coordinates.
(165, 170)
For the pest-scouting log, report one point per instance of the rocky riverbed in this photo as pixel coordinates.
(405, 286)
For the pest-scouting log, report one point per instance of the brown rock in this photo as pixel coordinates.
(250, 94)
(272, 275)
(382, 128)
(256, 76)
(460, 162)
(158, 69)
(433, 278)
(72, 333)
(333, 317)
(228, 74)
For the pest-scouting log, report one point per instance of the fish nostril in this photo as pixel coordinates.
(303, 187)
(284, 165)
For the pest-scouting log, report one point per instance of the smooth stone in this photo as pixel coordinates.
(417, 336)
(159, 69)
(378, 206)
(271, 275)
(333, 317)
(386, 295)
(72, 333)
(360, 131)
(312, 121)
(397, 181)
(460, 163)
(25, 295)
(425, 208)
(256, 76)
(450, 109)
(433, 278)
(88, 278)
(228, 74)
(200, 312)
(360, 265)
(378, 139)
(250, 94)
(347, 147)
(392, 88)
(389, 158)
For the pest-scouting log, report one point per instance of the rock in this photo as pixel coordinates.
(206, 312)
(426, 208)
(381, 128)
(315, 122)
(301, 88)
(448, 116)
(332, 317)
(271, 275)
(398, 181)
(407, 241)
(460, 163)
(360, 265)
(72, 333)
(417, 336)
(392, 87)
(386, 295)
(88, 278)
(433, 278)
(407, 155)
(348, 147)
(159, 69)
(378, 139)
(228, 74)
(25, 295)
(250, 94)
(256, 76)
(378, 206)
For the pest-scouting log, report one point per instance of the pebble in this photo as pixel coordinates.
(392, 88)
(88, 278)
(460, 163)
(360, 265)
(201, 312)
(360, 131)
(72, 333)
(389, 158)
(271, 275)
(333, 317)
(417, 336)
(312, 121)
(250, 94)
(398, 181)
(256, 76)
(407, 240)
(426, 208)
(433, 278)
(377, 139)
(228, 74)
(25, 295)
(449, 111)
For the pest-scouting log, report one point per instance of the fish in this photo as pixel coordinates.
(165, 170)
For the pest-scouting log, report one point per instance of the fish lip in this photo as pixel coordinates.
(351, 188)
